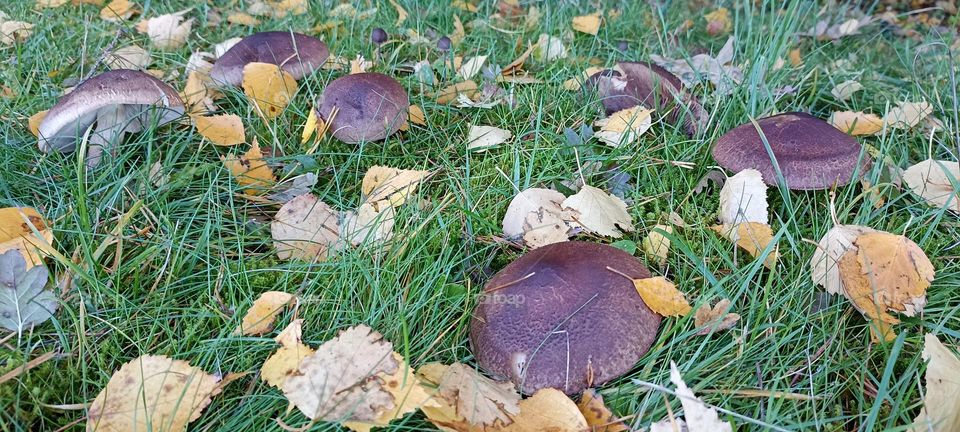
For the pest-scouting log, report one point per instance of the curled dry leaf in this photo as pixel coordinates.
(342, 380)
(856, 123)
(589, 24)
(408, 391)
(825, 264)
(263, 312)
(312, 126)
(697, 415)
(17, 232)
(286, 360)
(906, 115)
(934, 181)
(743, 198)
(713, 319)
(846, 89)
(939, 411)
(485, 137)
(472, 66)
(599, 418)
(656, 245)
(24, 302)
(167, 32)
(222, 130)
(624, 126)
(197, 95)
(479, 400)
(549, 48)
(536, 216)
(268, 87)
(128, 57)
(383, 186)
(306, 229)
(150, 391)
(662, 296)
(599, 212)
(251, 171)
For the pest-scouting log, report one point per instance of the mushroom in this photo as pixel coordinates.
(631, 84)
(809, 152)
(559, 317)
(296, 53)
(112, 103)
(370, 107)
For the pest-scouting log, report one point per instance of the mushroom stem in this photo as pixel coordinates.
(108, 130)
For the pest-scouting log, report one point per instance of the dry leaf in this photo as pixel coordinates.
(416, 116)
(286, 360)
(656, 245)
(167, 32)
(196, 94)
(263, 312)
(118, 11)
(24, 301)
(384, 186)
(152, 392)
(367, 225)
(222, 130)
(545, 227)
(478, 399)
(452, 92)
(242, 18)
(464, 5)
(743, 198)
(359, 65)
(625, 126)
(934, 181)
(599, 212)
(313, 124)
(589, 24)
(485, 137)
(825, 264)
(251, 170)
(342, 381)
(886, 273)
(718, 21)
(532, 200)
(549, 49)
(33, 123)
(268, 87)
(472, 67)
(856, 123)
(547, 410)
(408, 392)
(128, 57)
(306, 229)
(576, 83)
(940, 410)
(17, 226)
(599, 418)
(907, 114)
(752, 237)
(698, 416)
(718, 70)
(401, 13)
(846, 89)
(13, 31)
(718, 318)
(662, 296)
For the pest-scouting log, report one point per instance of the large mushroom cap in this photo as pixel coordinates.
(810, 152)
(296, 53)
(371, 106)
(557, 317)
(633, 83)
(116, 101)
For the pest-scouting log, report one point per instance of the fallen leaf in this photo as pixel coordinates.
(128, 57)
(796, 57)
(263, 312)
(472, 67)
(656, 245)
(624, 126)
(268, 87)
(33, 123)
(242, 18)
(306, 229)
(599, 418)
(251, 170)
(367, 225)
(416, 116)
(314, 123)
(485, 137)
(743, 198)
(547, 410)
(662, 296)
(459, 32)
(359, 65)
(549, 48)
(845, 90)
(17, 226)
(464, 5)
(384, 186)
(697, 415)
(149, 391)
(856, 123)
(934, 181)
(222, 130)
(118, 11)
(599, 212)
(576, 83)
(825, 264)
(939, 411)
(589, 24)
(718, 70)
(752, 237)
(292, 187)
(478, 399)
(450, 93)
(167, 32)
(341, 380)
(401, 13)
(286, 360)
(197, 95)
(546, 227)
(13, 31)
(531, 200)
(907, 114)
(24, 302)
(408, 393)
(41, 4)
(718, 21)
(713, 319)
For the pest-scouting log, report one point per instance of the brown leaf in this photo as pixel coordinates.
(478, 399)
(305, 229)
(717, 318)
(599, 418)
(450, 93)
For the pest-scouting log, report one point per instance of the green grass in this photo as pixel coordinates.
(181, 288)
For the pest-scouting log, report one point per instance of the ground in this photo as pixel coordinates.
(195, 254)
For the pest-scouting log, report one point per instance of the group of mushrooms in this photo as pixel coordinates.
(102, 109)
(561, 316)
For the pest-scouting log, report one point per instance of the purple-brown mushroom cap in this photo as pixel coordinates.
(298, 54)
(371, 107)
(634, 83)
(558, 317)
(810, 153)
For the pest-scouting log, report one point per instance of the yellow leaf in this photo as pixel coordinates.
(242, 18)
(881, 331)
(657, 245)
(401, 12)
(575, 84)
(359, 65)
(464, 5)
(196, 94)
(34, 122)
(718, 22)
(662, 296)
(752, 237)
(118, 10)
(548, 410)
(589, 24)
(268, 87)
(41, 4)
(408, 392)
(795, 57)
(939, 413)
(416, 116)
(625, 126)
(314, 123)
(251, 170)
(599, 418)
(449, 94)
(16, 232)
(856, 123)
(285, 361)
(222, 130)
(385, 186)
(459, 33)
(259, 318)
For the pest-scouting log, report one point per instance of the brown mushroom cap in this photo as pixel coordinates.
(557, 317)
(116, 102)
(810, 152)
(372, 106)
(295, 53)
(641, 83)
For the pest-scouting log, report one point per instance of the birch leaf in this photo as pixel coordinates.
(856, 123)
(485, 137)
(305, 229)
(662, 296)
(286, 360)
(599, 212)
(743, 198)
(222, 130)
(934, 180)
(940, 410)
(24, 302)
(625, 126)
(262, 313)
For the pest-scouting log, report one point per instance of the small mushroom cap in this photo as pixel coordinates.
(297, 54)
(652, 86)
(810, 152)
(557, 317)
(131, 97)
(378, 36)
(372, 106)
(444, 44)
